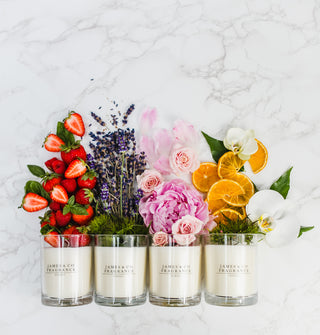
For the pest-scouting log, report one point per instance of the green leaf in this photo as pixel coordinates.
(78, 210)
(71, 200)
(282, 185)
(216, 146)
(46, 229)
(64, 134)
(304, 229)
(35, 187)
(37, 170)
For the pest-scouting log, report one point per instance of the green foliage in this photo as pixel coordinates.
(35, 187)
(65, 135)
(282, 185)
(304, 229)
(37, 170)
(216, 146)
(115, 225)
(239, 226)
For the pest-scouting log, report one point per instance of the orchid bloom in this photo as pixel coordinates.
(241, 142)
(272, 213)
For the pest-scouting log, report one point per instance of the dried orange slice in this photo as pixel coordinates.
(230, 213)
(229, 165)
(205, 176)
(259, 159)
(222, 187)
(216, 204)
(240, 200)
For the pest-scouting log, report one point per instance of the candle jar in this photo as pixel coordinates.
(66, 271)
(175, 273)
(120, 269)
(231, 269)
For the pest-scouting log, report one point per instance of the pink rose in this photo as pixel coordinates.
(188, 224)
(209, 225)
(160, 238)
(149, 180)
(184, 229)
(183, 160)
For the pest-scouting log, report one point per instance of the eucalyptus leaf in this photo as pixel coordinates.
(37, 171)
(304, 229)
(282, 185)
(216, 146)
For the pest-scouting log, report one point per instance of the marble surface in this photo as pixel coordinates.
(216, 63)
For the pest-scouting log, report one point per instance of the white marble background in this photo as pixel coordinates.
(217, 63)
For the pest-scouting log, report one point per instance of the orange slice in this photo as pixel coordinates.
(230, 213)
(205, 176)
(216, 204)
(222, 187)
(240, 200)
(259, 159)
(229, 165)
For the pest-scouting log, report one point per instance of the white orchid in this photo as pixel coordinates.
(274, 216)
(241, 142)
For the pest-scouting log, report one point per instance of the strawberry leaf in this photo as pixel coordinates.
(37, 170)
(65, 135)
(35, 187)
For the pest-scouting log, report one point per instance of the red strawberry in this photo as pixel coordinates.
(70, 154)
(76, 169)
(59, 194)
(33, 202)
(83, 219)
(69, 184)
(88, 180)
(55, 206)
(84, 196)
(53, 143)
(59, 166)
(43, 224)
(78, 239)
(49, 162)
(53, 239)
(74, 124)
(62, 219)
(49, 218)
(50, 183)
(70, 230)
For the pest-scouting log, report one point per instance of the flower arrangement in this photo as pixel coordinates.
(171, 205)
(117, 164)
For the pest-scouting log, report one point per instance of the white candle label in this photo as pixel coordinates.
(230, 270)
(175, 271)
(120, 271)
(67, 272)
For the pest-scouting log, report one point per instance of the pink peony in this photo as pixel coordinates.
(149, 180)
(160, 238)
(168, 203)
(183, 160)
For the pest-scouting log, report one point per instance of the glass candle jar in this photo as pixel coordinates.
(66, 271)
(120, 269)
(231, 269)
(175, 272)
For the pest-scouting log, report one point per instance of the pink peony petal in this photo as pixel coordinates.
(148, 119)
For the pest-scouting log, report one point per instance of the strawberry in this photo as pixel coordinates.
(59, 194)
(53, 143)
(62, 219)
(43, 224)
(69, 184)
(70, 230)
(53, 239)
(78, 239)
(83, 219)
(33, 202)
(69, 154)
(76, 169)
(49, 218)
(74, 124)
(50, 183)
(54, 206)
(58, 166)
(49, 162)
(84, 196)
(88, 180)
